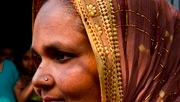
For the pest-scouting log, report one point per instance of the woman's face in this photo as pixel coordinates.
(67, 70)
(27, 61)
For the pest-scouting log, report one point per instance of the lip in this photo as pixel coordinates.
(49, 99)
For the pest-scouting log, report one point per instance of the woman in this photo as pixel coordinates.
(130, 53)
(24, 89)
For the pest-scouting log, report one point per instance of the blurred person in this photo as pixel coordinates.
(9, 75)
(107, 51)
(24, 89)
(8, 53)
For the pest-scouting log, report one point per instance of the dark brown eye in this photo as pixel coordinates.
(62, 57)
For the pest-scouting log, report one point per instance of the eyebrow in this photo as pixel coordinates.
(55, 46)
(51, 49)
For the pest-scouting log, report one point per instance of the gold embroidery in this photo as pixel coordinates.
(161, 93)
(143, 31)
(157, 76)
(162, 38)
(142, 48)
(143, 16)
(166, 34)
(157, 15)
(106, 50)
(166, 50)
(148, 97)
(104, 42)
(156, 45)
(171, 38)
(162, 65)
(91, 10)
(99, 29)
(159, 53)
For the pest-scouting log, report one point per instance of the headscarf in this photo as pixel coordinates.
(36, 5)
(137, 47)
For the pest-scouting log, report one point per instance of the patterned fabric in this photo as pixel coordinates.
(136, 44)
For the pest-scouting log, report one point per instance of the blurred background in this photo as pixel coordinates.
(176, 3)
(15, 23)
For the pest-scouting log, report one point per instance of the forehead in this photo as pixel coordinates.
(55, 9)
(54, 15)
(54, 25)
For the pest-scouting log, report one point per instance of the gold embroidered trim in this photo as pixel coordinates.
(102, 34)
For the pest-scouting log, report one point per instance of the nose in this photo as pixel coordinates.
(42, 79)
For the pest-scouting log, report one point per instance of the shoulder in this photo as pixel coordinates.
(8, 61)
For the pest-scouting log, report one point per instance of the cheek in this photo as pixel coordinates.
(25, 63)
(79, 79)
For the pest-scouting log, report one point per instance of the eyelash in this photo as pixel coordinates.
(60, 57)
(63, 57)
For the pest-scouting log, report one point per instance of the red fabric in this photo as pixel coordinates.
(150, 50)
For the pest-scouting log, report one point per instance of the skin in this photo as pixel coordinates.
(27, 62)
(64, 56)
